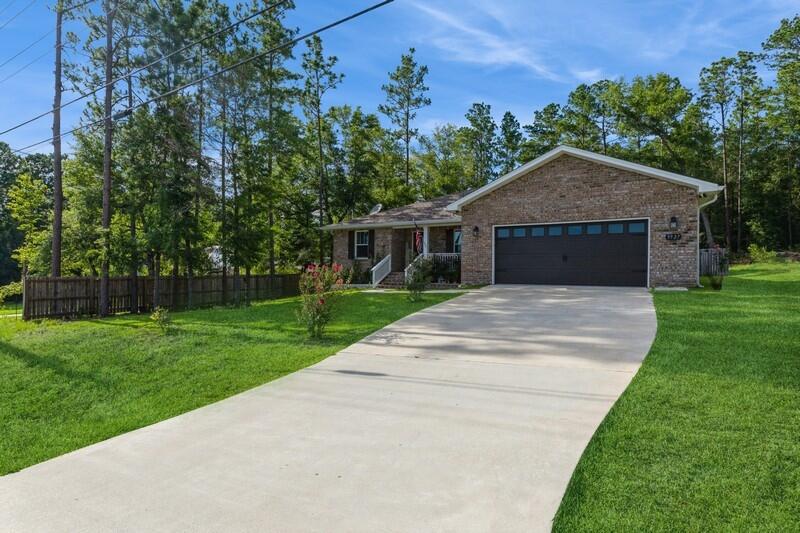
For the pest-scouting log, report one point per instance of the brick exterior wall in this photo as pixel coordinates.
(383, 247)
(572, 189)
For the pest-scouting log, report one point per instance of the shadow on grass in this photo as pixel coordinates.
(53, 364)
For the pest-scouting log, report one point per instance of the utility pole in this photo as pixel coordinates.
(58, 194)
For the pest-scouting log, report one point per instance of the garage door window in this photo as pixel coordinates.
(594, 229)
(554, 231)
(636, 227)
(537, 232)
(574, 230)
(503, 233)
(616, 228)
(519, 232)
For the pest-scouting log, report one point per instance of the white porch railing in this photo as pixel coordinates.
(381, 270)
(448, 260)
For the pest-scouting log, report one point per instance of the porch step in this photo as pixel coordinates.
(395, 280)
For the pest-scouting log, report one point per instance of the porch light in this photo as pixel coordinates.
(475, 230)
(673, 223)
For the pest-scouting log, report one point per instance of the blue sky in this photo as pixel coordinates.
(515, 55)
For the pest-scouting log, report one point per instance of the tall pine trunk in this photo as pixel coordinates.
(224, 207)
(134, 266)
(134, 272)
(156, 280)
(739, 171)
(728, 233)
(236, 255)
(321, 171)
(58, 195)
(270, 203)
(107, 140)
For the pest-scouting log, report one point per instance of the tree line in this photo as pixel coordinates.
(236, 174)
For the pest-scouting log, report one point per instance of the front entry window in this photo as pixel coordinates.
(362, 245)
(457, 241)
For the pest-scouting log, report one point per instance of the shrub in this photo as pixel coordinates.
(161, 319)
(716, 282)
(318, 286)
(446, 271)
(12, 289)
(355, 274)
(419, 277)
(760, 254)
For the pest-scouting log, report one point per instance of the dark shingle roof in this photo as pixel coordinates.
(428, 210)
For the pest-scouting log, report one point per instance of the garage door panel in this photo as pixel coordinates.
(572, 258)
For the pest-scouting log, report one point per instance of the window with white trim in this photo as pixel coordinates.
(362, 245)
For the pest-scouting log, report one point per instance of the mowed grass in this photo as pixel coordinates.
(10, 308)
(707, 436)
(64, 385)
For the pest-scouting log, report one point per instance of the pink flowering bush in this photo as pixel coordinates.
(318, 288)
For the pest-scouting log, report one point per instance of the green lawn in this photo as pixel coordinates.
(67, 385)
(707, 436)
(10, 309)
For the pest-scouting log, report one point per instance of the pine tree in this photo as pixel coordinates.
(405, 95)
(510, 143)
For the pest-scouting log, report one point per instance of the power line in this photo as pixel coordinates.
(145, 67)
(127, 111)
(40, 39)
(20, 12)
(19, 70)
(34, 43)
(11, 3)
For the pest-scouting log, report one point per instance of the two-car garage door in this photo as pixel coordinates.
(587, 253)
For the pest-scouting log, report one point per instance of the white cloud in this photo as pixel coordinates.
(588, 75)
(469, 43)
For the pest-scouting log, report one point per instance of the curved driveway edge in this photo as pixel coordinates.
(467, 416)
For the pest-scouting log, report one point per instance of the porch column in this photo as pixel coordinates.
(425, 234)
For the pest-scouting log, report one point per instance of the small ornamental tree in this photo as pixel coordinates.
(318, 286)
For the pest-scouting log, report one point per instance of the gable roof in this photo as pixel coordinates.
(433, 211)
(702, 187)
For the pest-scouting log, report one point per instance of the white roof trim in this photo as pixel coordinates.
(702, 187)
(396, 224)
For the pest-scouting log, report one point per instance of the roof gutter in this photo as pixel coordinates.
(399, 224)
(714, 199)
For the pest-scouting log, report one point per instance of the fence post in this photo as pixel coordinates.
(26, 315)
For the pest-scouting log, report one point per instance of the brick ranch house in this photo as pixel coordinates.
(569, 217)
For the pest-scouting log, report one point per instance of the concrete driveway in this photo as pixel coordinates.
(468, 416)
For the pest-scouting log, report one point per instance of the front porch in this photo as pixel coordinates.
(408, 246)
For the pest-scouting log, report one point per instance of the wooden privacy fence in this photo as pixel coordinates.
(713, 262)
(72, 297)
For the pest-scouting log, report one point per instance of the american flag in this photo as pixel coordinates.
(418, 241)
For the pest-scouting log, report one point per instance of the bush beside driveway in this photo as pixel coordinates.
(706, 435)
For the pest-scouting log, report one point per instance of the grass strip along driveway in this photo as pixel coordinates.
(65, 385)
(707, 436)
